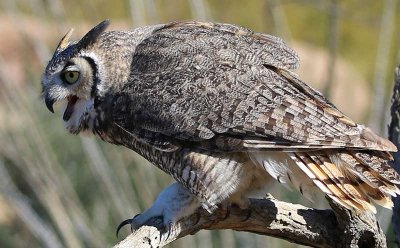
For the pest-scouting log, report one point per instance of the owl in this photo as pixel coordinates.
(219, 108)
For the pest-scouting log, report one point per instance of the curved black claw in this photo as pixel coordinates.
(123, 223)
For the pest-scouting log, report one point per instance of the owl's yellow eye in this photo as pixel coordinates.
(70, 77)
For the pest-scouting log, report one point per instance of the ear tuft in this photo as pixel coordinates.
(93, 34)
(65, 40)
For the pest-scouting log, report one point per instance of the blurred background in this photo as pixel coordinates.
(60, 190)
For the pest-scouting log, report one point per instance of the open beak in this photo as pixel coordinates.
(49, 102)
(69, 109)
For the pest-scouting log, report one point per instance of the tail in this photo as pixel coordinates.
(352, 178)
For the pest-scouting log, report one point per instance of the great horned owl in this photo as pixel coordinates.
(218, 107)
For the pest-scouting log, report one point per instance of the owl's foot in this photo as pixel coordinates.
(173, 203)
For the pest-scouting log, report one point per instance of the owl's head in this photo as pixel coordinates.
(71, 78)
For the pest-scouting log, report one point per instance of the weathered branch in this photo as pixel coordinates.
(394, 136)
(292, 222)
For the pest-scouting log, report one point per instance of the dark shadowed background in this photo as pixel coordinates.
(60, 190)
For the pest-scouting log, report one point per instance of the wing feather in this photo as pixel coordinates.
(195, 81)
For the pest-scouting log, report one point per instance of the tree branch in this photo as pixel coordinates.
(317, 228)
(394, 136)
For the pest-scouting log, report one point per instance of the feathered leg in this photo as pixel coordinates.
(172, 204)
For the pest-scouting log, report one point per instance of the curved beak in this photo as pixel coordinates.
(49, 102)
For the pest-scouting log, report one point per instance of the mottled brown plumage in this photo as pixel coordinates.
(218, 107)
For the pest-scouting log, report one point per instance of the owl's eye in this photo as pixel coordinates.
(70, 77)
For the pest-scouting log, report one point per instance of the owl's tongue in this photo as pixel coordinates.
(70, 107)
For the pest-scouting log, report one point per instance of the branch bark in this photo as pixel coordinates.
(394, 136)
(298, 224)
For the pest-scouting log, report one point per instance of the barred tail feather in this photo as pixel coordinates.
(365, 173)
(348, 185)
(377, 161)
(317, 171)
(282, 168)
(379, 181)
(354, 179)
(377, 196)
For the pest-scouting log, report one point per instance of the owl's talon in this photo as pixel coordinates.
(168, 228)
(124, 223)
(173, 203)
